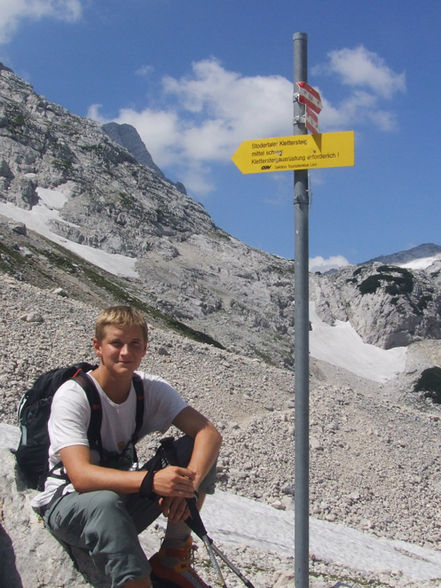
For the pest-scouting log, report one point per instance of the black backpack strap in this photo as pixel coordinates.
(96, 412)
(139, 390)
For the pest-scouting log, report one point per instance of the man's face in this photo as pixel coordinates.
(121, 349)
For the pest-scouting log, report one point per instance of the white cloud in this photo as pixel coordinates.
(218, 109)
(357, 109)
(363, 68)
(209, 114)
(14, 11)
(198, 177)
(144, 70)
(93, 112)
(320, 264)
(371, 81)
(205, 115)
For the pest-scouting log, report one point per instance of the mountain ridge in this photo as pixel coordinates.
(407, 255)
(98, 196)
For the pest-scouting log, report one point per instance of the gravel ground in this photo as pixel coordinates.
(375, 448)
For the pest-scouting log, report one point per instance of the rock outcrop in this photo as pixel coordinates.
(388, 306)
(30, 555)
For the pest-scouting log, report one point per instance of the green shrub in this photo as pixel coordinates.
(370, 284)
(398, 281)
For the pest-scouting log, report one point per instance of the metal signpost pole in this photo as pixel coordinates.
(301, 352)
(282, 154)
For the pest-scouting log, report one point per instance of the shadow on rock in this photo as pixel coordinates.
(9, 575)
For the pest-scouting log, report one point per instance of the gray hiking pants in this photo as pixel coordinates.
(107, 524)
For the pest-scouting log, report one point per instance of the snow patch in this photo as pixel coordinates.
(235, 520)
(39, 217)
(340, 345)
(422, 263)
(52, 199)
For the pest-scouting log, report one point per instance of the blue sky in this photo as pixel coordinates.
(198, 77)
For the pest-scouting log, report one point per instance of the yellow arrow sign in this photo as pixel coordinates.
(295, 152)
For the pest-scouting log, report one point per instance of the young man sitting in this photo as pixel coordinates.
(102, 507)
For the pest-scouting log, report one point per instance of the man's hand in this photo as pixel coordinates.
(175, 509)
(174, 481)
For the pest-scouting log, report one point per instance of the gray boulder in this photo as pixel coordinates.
(30, 555)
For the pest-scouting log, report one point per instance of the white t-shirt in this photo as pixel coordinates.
(70, 417)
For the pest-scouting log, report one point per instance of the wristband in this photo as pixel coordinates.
(146, 488)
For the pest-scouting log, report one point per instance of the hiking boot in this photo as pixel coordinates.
(173, 565)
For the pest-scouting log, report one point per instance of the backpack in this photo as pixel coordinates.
(33, 414)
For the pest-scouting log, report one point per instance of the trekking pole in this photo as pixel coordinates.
(195, 523)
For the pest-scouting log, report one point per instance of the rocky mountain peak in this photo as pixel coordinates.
(128, 137)
(421, 251)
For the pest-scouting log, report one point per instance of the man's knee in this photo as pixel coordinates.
(104, 499)
(184, 449)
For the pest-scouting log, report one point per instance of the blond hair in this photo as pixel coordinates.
(120, 316)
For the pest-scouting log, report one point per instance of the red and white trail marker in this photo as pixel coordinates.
(309, 97)
(311, 121)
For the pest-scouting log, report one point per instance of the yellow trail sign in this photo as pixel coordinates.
(295, 152)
